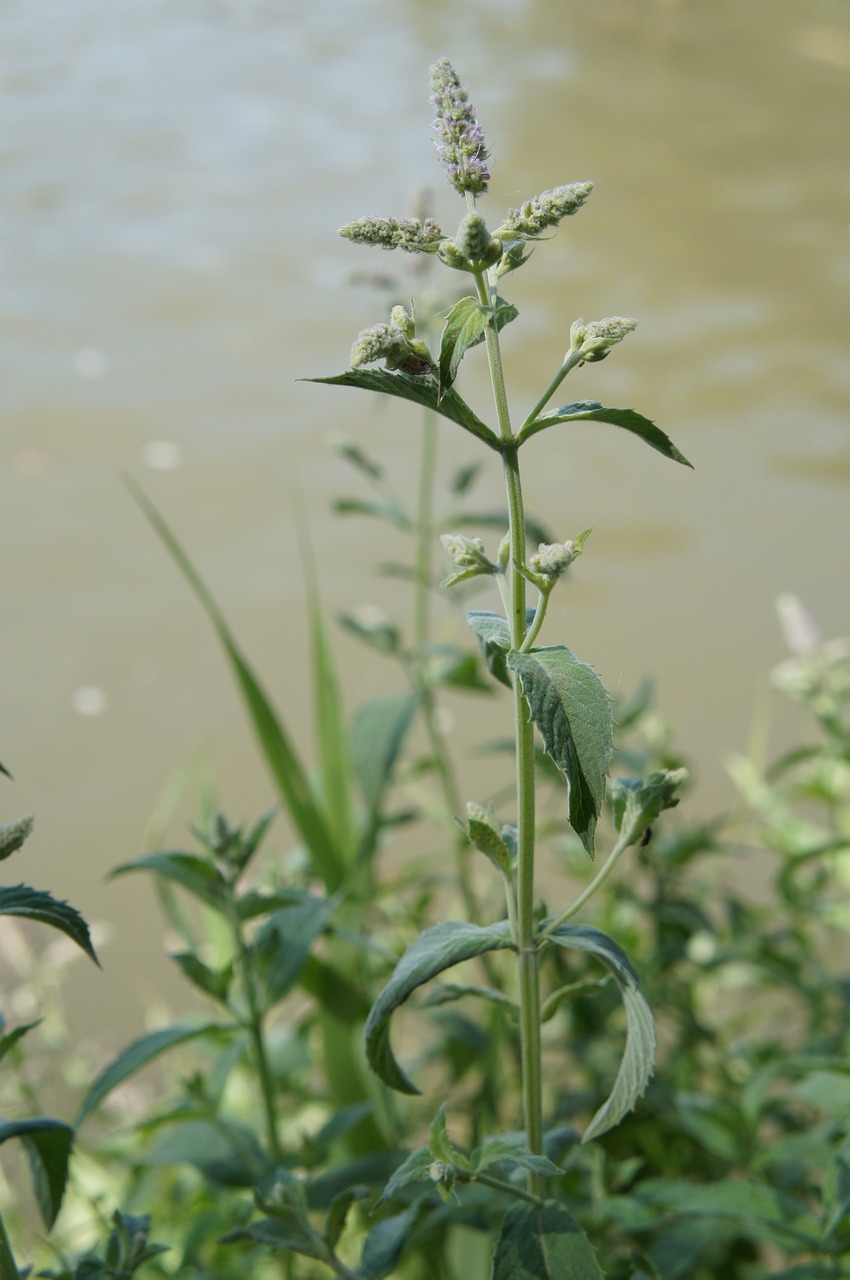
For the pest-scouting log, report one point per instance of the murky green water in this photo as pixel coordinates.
(173, 177)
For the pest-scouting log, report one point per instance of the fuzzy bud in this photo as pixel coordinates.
(543, 211)
(475, 243)
(461, 148)
(408, 234)
(594, 340)
(403, 320)
(552, 559)
(380, 342)
(467, 553)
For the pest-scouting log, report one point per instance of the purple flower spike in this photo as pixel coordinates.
(461, 148)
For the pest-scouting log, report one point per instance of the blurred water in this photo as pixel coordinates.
(172, 183)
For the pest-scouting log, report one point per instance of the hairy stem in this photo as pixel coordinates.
(529, 991)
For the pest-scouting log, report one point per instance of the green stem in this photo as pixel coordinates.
(424, 529)
(255, 1030)
(509, 1188)
(599, 879)
(528, 960)
(570, 362)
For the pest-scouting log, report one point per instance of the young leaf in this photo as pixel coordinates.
(464, 328)
(593, 411)
(543, 1243)
(572, 711)
(637, 802)
(484, 834)
(48, 1146)
(512, 1148)
(34, 904)
(213, 982)
(412, 1169)
(284, 942)
(440, 1144)
(438, 948)
(494, 636)
(139, 1054)
(639, 1057)
(279, 754)
(418, 389)
(13, 835)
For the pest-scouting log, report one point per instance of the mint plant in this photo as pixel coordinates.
(552, 691)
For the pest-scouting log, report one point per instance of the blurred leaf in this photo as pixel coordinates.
(13, 835)
(638, 1059)
(825, 1091)
(11, 1038)
(48, 1145)
(198, 876)
(420, 390)
(226, 1153)
(511, 1148)
(414, 1168)
(465, 477)
(338, 1212)
(282, 761)
(380, 508)
(543, 1243)
(139, 1054)
(385, 1243)
(494, 636)
(438, 948)
(377, 734)
(593, 411)
(572, 711)
(8, 1267)
(283, 943)
(334, 991)
(358, 458)
(213, 982)
(34, 904)
(535, 532)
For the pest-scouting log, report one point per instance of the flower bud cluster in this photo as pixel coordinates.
(461, 148)
(545, 210)
(552, 559)
(409, 234)
(594, 340)
(394, 343)
(467, 553)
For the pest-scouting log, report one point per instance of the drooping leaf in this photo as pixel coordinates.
(419, 389)
(593, 411)
(385, 1243)
(48, 1145)
(13, 835)
(284, 942)
(638, 1060)
(543, 1243)
(140, 1053)
(35, 904)
(377, 734)
(278, 752)
(198, 876)
(438, 948)
(572, 711)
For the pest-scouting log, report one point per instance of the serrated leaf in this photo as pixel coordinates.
(414, 1168)
(419, 390)
(198, 876)
(377, 735)
(437, 949)
(440, 1144)
(35, 904)
(572, 711)
(464, 326)
(48, 1145)
(139, 1054)
(638, 1060)
(13, 835)
(543, 1243)
(637, 802)
(593, 411)
(513, 1149)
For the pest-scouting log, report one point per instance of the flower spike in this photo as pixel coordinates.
(461, 148)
